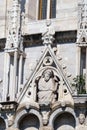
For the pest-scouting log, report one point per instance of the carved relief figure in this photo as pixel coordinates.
(47, 87)
(10, 122)
(82, 125)
(47, 36)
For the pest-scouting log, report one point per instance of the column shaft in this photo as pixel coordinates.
(86, 71)
(15, 74)
(78, 58)
(6, 76)
(20, 71)
(48, 9)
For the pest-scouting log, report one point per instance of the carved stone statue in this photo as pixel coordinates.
(82, 125)
(47, 87)
(47, 36)
(10, 123)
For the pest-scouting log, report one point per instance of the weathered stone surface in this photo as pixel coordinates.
(12, 128)
(40, 83)
(47, 87)
(46, 128)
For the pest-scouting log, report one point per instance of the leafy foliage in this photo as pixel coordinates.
(79, 83)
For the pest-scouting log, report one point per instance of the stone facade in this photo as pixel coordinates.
(39, 59)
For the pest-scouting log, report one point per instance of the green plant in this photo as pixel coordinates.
(79, 83)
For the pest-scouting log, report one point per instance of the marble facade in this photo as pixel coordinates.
(38, 63)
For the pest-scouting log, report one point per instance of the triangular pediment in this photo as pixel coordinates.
(57, 83)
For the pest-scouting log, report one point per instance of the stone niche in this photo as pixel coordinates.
(29, 122)
(64, 121)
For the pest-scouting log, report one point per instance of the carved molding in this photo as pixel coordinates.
(60, 111)
(24, 112)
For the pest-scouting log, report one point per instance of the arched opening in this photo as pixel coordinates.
(2, 124)
(29, 122)
(64, 121)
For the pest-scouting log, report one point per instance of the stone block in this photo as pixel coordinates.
(46, 128)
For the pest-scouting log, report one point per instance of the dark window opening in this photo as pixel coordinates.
(42, 9)
(23, 5)
(42, 14)
(83, 61)
(53, 9)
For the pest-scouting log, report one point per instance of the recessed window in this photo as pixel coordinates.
(52, 8)
(42, 9)
(22, 5)
(47, 9)
(83, 61)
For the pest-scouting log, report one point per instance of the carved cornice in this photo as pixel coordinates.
(35, 40)
(6, 106)
(32, 40)
(80, 100)
(66, 37)
(60, 37)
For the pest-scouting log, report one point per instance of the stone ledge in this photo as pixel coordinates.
(80, 99)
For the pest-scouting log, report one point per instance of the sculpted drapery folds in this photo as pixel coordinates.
(47, 88)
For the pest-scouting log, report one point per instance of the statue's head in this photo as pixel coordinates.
(81, 118)
(47, 74)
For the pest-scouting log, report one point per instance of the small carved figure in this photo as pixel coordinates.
(82, 125)
(45, 115)
(47, 36)
(47, 88)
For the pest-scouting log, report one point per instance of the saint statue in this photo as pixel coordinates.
(82, 125)
(47, 88)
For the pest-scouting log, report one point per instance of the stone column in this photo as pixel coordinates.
(15, 74)
(20, 71)
(6, 75)
(86, 71)
(37, 8)
(78, 58)
(48, 9)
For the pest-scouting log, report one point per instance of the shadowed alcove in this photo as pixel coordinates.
(29, 122)
(64, 121)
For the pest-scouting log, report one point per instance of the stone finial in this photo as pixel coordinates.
(82, 23)
(47, 36)
(14, 26)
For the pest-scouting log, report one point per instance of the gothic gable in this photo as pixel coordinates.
(47, 84)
